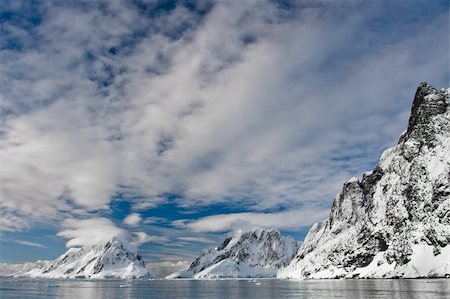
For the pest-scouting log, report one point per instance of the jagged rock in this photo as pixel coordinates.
(427, 103)
(253, 253)
(395, 222)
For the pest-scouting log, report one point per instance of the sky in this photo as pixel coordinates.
(174, 123)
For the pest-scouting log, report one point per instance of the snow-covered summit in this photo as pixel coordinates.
(395, 221)
(115, 258)
(252, 253)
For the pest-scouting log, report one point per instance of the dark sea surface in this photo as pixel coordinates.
(250, 288)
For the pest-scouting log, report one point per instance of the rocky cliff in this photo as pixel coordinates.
(395, 220)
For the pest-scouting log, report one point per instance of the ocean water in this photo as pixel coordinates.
(251, 288)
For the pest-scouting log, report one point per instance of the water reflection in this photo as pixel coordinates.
(259, 289)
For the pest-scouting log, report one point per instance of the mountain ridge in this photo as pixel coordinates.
(251, 253)
(398, 215)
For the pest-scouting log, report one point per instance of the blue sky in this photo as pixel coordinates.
(177, 122)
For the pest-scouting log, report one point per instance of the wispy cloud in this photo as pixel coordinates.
(142, 238)
(289, 220)
(196, 239)
(265, 106)
(28, 243)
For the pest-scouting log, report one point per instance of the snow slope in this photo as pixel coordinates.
(115, 258)
(395, 222)
(254, 253)
(14, 270)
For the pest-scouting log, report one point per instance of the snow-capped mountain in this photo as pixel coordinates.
(16, 270)
(395, 221)
(116, 258)
(253, 253)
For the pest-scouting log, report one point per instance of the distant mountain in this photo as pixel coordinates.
(116, 258)
(15, 270)
(395, 221)
(253, 253)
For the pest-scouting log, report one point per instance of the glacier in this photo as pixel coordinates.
(395, 221)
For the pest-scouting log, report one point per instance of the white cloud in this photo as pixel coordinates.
(289, 220)
(132, 220)
(250, 105)
(140, 238)
(29, 243)
(90, 231)
(82, 232)
(197, 239)
(11, 221)
(154, 219)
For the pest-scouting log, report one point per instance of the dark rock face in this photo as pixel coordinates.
(427, 103)
(403, 202)
(224, 243)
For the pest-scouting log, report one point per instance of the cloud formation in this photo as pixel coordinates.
(29, 243)
(132, 220)
(90, 231)
(82, 232)
(140, 238)
(289, 220)
(254, 104)
(196, 239)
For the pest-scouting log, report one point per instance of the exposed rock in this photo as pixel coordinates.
(395, 222)
(254, 253)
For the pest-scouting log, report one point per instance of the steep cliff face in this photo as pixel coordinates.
(254, 253)
(395, 221)
(115, 258)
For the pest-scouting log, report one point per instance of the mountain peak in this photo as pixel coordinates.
(256, 252)
(122, 243)
(428, 102)
(115, 257)
(398, 215)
